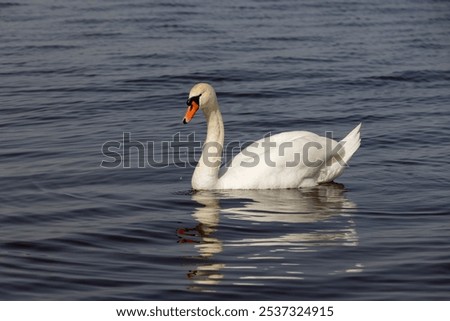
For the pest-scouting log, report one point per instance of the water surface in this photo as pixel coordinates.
(75, 75)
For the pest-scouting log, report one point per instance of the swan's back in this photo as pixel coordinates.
(289, 160)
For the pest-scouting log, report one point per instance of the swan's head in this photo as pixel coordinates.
(202, 96)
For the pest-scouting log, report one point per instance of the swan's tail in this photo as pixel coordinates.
(351, 143)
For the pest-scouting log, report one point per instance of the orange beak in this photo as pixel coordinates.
(191, 110)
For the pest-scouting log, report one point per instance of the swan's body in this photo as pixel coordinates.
(286, 160)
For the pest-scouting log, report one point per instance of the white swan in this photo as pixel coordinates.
(286, 160)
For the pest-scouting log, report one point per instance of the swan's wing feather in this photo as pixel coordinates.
(285, 160)
(336, 165)
(269, 145)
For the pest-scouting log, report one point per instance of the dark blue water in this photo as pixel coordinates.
(75, 75)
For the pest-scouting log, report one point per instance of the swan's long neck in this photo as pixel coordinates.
(206, 174)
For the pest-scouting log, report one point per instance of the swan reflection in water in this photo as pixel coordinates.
(267, 225)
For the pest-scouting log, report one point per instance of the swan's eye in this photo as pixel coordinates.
(195, 99)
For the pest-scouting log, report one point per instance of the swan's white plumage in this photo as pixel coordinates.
(294, 159)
